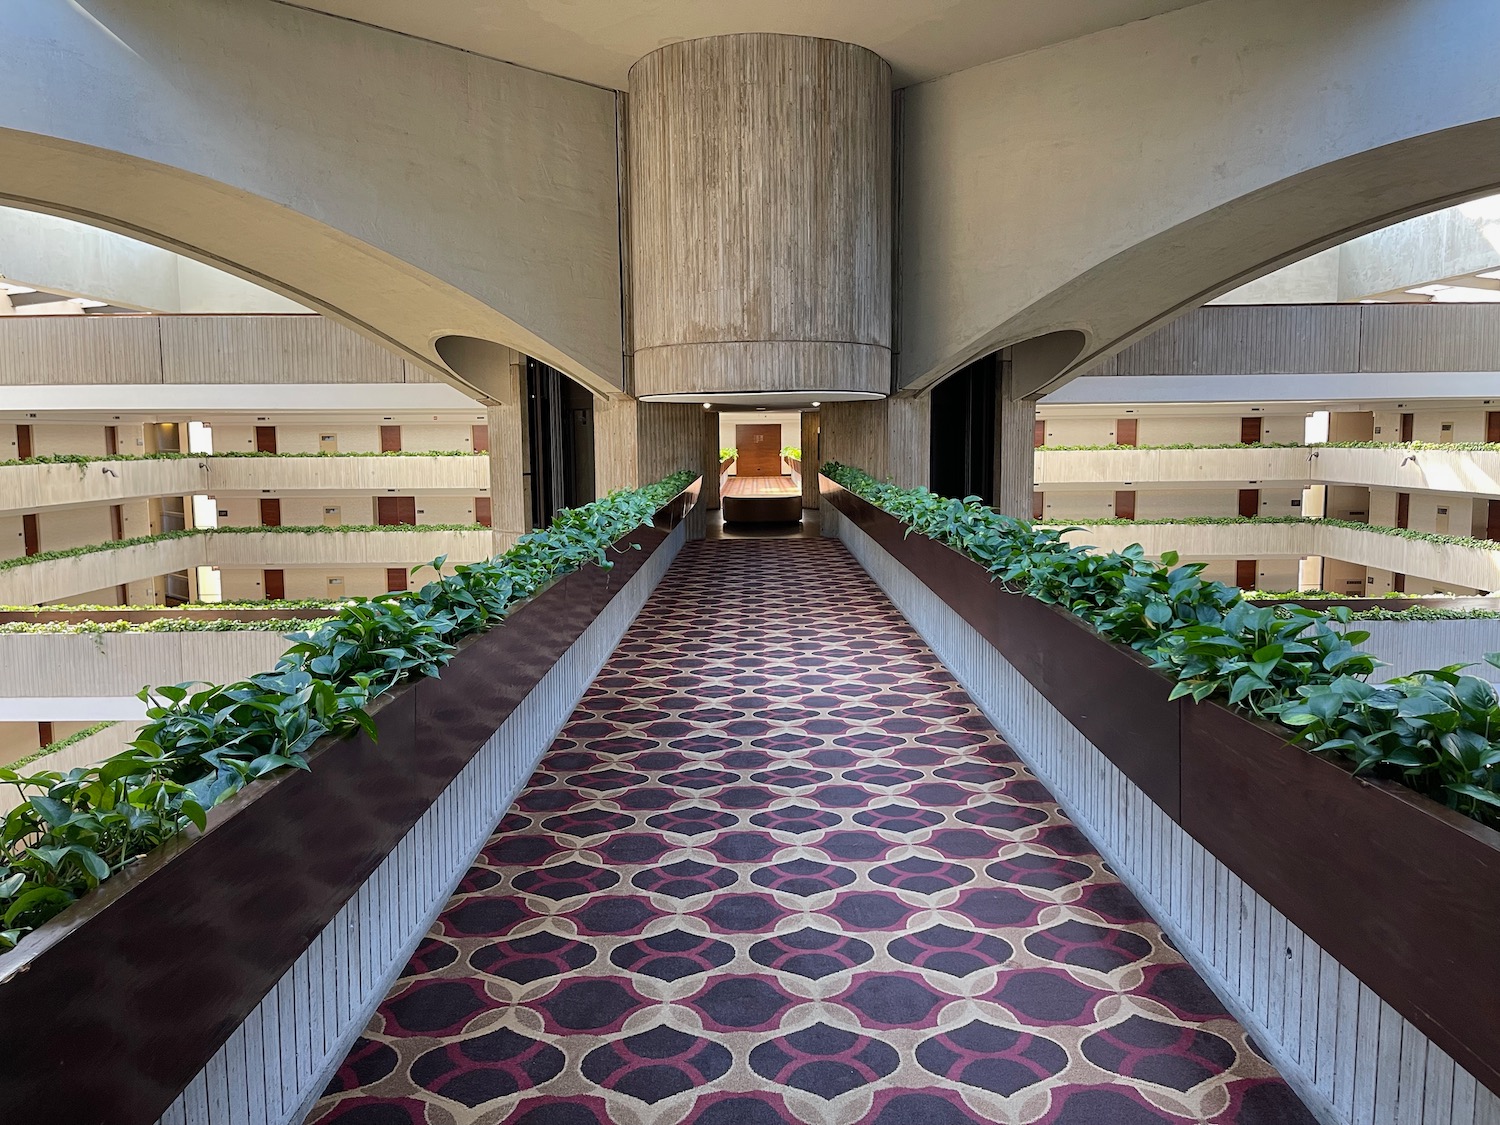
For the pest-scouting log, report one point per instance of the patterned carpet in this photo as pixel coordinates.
(779, 869)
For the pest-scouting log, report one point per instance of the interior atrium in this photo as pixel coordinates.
(606, 562)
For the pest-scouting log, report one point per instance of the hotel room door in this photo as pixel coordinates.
(759, 450)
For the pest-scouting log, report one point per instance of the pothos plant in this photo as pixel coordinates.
(1437, 730)
(204, 742)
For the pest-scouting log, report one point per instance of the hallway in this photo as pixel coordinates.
(779, 868)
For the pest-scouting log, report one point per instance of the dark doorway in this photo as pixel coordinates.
(270, 511)
(30, 536)
(759, 450)
(1251, 430)
(1398, 583)
(1492, 524)
(1408, 426)
(1403, 509)
(1125, 505)
(273, 583)
(1249, 502)
(265, 439)
(44, 736)
(1126, 431)
(395, 511)
(560, 442)
(962, 461)
(390, 439)
(116, 521)
(23, 442)
(395, 579)
(1038, 434)
(1492, 427)
(482, 512)
(481, 438)
(1244, 574)
(1038, 504)
(111, 440)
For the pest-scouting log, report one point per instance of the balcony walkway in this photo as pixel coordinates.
(779, 868)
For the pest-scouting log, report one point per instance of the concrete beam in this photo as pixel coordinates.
(410, 190)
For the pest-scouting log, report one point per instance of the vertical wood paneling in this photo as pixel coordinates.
(1349, 1055)
(277, 1063)
(909, 432)
(1015, 469)
(812, 457)
(854, 433)
(773, 227)
(510, 503)
(73, 350)
(271, 349)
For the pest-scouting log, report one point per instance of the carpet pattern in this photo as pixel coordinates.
(778, 868)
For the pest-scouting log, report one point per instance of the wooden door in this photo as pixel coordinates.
(1398, 583)
(759, 451)
(29, 533)
(44, 736)
(1408, 428)
(1492, 427)
(265, 439)
(395, 579)
(1126, 431)
(117, 521)
(482, 511)
(1403, 509)
(23, 442)
(1038, 504)
(481, 439)
(1250, 430)
(1249, 502)
(1125, 505)
(1492, 525)
(111, 440)
(393, 511)
(390, 439)
(273, 584)
(270, 511)
(1244, 574)
(1039, 434)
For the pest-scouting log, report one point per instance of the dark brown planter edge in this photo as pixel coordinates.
(1399, 889)
(119, 1002)
(1109, 693)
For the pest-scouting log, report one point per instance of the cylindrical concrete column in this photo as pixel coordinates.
(760, 217)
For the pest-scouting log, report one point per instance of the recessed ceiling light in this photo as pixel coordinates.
(707, 405)
(817, 404)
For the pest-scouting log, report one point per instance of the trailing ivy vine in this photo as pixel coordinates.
(197, 532)
(202, 743)
(1437, 731)
(1299, 521)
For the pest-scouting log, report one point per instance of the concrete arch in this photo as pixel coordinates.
(409, 190)
(1111, 183)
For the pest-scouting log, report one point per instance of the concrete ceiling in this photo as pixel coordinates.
(598, 40)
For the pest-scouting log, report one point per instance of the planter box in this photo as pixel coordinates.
(1401, 890)
(116, 1004)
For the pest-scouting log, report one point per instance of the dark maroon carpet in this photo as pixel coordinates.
(779, 868)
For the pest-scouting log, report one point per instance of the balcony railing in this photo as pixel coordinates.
(1401, 467)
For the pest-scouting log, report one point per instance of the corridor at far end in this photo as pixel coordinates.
(778, 868)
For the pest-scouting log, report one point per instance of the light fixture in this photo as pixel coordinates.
(708, 406)
(817, 404)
